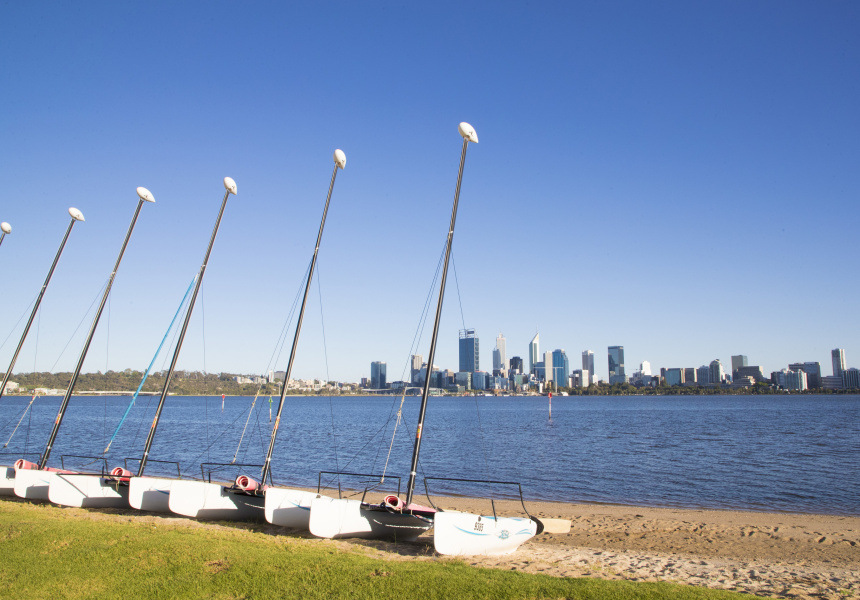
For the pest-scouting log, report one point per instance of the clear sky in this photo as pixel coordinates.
(678, 178)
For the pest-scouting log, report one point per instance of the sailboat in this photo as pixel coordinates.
(33, 480)
(7, 472)
(115, 489)
(249, 499)
(455, 533)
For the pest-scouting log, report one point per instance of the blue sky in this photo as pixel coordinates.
(677, 178)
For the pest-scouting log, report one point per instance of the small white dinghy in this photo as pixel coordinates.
(203, 500)
(150, 493)
(7, 481)
(289, 507)
(467, 534)
(86, 490)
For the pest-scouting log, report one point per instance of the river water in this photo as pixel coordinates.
(776, 453)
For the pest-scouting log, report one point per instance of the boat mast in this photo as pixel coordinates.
(469, 135)
(339, 163)
(76, 216)
(145, 196)
(230, 185)
(5, 228)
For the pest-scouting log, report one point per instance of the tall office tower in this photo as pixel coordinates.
(588, 365)
(416, 368)
(516, 365)
(645, 368)
(838, 356)
(737, 362)
(377, 375)
(616, 365)
(560, 367)
(501, 344)
(717, 373)
(534, 353)
(497, 362)
(547, 364)
(469, 351)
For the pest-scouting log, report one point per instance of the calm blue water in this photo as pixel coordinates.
(785, 453)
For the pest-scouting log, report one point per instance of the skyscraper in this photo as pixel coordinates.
(377, 375)
(469, 351)
(516, 365)
(501, 354)
(416, 368)
(588, 365)
(813, 373)
(560, 368)
(616, 365)
(547, 363)
(737, 362)
(838, 356)
(534, 353)
(717, 373)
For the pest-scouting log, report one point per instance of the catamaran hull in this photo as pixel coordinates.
(289, 508)
(203, 500)
(150, 493)
(7, 481)
(467, 534)
(33, 484)
(344, 518)
(87, 491)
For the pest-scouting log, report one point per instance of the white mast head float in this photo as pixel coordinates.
(230, 185)
(468, 132)
(6, 227)
(340, 158)
(76, 214)
(145, 194)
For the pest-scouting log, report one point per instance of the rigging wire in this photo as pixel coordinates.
(24, 414)
(327, 375)
(18, 322)
(63, 351)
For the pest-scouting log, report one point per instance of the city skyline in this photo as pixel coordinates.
(666, 146)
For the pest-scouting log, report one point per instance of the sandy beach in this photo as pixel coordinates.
(767, 554)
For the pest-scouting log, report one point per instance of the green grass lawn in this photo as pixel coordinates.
(52, 552)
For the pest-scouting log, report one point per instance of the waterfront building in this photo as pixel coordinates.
(737, 362)
(539, 372)
(837, 355)
(718, 374)
(588, 366)
(560, 367)
(791, 380)
(831, 382)
(674, 377)
(464, 379)
(416, 369)
(378, 375)
(851, 379)
(703, 375)
(516, 365)
(750, 371)
(469, 351)
(690, 376)
(479, 380)
(812, 370)
(616, 365)
(578, 378)
(534, 353)
(500, 357)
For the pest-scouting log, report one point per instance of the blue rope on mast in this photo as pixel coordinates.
(146, 374)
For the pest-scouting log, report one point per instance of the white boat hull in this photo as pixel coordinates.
(344, 518)
(7, 481)
(467, 534)
(289, 508)
(203, 500)
(87, 491)
(33, 484)
(150, 493)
